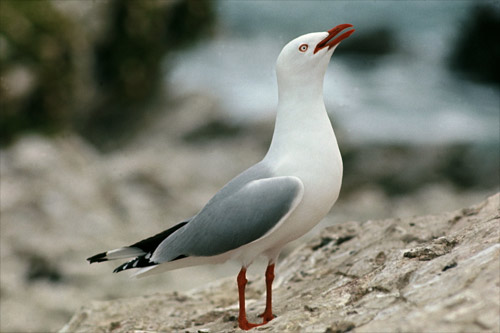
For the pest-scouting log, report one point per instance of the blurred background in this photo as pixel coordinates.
(120, 118)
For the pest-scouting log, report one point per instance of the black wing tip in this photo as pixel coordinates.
(139, 262)
(120, 268)
(98, 258)
(127, 265)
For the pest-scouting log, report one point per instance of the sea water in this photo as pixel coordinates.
(408, 96)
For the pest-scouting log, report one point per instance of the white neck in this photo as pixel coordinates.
(301, 117)
(299, 90)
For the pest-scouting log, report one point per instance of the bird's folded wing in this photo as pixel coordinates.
(233, 220)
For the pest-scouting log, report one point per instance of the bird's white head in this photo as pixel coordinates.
(304, 60)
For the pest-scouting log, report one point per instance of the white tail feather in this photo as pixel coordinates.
(124, 252)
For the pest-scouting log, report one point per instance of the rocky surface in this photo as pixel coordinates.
(429, 273)
(62, 201)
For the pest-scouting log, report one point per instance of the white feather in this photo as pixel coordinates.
(124, 252)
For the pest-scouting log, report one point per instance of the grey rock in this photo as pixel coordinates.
(429, 273)
(62, 201)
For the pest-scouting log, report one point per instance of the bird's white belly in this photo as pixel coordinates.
(322, 178)
(322, 181)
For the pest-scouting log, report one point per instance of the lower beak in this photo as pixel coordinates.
(330, 41)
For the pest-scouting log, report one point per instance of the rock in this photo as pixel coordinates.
(428, 273)
(62, 201)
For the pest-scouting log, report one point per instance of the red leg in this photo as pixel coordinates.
(242, 318)
(268, 312)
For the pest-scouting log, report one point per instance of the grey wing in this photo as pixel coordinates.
(234, 220)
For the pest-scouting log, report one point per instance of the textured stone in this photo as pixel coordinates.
(430, 273)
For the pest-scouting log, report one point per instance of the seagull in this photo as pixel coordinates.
(273, 202)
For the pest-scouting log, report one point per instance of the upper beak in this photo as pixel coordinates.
(331, 34)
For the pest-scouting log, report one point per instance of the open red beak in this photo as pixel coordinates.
(330, 40)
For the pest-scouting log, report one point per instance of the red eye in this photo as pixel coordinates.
(303, 48)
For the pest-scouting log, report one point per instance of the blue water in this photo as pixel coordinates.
(409, 96)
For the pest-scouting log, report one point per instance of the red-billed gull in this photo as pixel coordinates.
(273, 202)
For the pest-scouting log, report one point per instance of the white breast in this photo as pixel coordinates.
(310, 153)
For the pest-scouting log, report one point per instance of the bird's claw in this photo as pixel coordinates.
(245, 325)
(267, 317)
